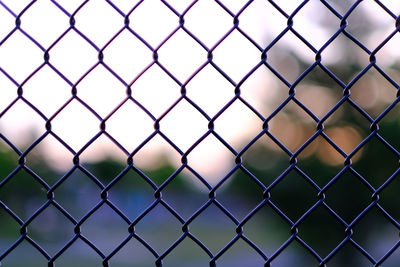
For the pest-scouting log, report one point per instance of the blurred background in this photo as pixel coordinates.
(77, 189)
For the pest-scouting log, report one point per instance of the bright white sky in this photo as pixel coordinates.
(127, 56)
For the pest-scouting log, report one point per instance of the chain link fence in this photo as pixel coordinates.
(320, 190)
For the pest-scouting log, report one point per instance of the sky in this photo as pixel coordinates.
(127, 56)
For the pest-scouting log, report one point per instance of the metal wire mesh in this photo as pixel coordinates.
(319, 192)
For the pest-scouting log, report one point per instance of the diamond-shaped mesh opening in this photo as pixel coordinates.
(48, 99)
(71, 200)
(184, 125)
(320, 161)
(214, 234)
(105, 228)
(60, 160)
(19, 56)
(318, 85)
(127, 55)
(210, 91)
(50, 237)
(241, 198)
(131, 193)
(104, 97)
(346, 139)
(132, 136)
(373, 93)
(292, 126)
(73, 56)
(290, 64)
(54, 23)
(267, 230)
(74, 121)
(182, 186)
(343, 48)
(237, 124)
(90, 20)
(312, 22)
(368, 169)
(348, 196)
(22, 194)
(322, 231)
(377, 26)
(289, 190)
(160, 221)
(262, 29)
(265, 160)
(155, 90)
(211, 159)
(260, 90)
(36, 162)
(209, 30)
(182, 55)
(246, 56)
(153, 21)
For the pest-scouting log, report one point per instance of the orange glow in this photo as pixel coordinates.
(346, 138)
